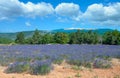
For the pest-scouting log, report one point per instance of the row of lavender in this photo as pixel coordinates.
(74, 54)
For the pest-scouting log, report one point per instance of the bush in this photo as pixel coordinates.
(102, 63)
(18, 67)
(58, 61)
(75, 62)
(42, 67)
(80, 63)
(104, 57)
(88, 65)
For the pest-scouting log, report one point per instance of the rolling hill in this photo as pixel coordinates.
(99, 31)
(30, 33)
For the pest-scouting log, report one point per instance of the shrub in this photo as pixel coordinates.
(80, 63)
(18, 67)
(105, 57)
(42, 67)
(102, 63)
(88, 65)
(75, 62)
(58, 61)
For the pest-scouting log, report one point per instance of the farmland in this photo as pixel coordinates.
(29, 58)
(59, 38)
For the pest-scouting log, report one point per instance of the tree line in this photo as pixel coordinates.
(110, 38)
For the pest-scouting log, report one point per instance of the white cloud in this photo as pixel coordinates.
(99, 14)
(9, 8)
(15, 8)
(68, 10)
(95, 14)
(40, 9)
(27, 23)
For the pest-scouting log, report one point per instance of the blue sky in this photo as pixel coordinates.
(26, 15)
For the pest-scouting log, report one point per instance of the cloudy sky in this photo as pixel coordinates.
(25, 15)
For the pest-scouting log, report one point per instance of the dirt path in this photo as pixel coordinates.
(63, 72)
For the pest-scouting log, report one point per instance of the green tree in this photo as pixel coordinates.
(20, 39)
(111, 38)
(37, 37)
(83, 37)
(73, 38)
(107, 38)
(79, 37)
(76, 38)
(95, 38)
(47, 38)
(61, 38)
(90, 37)
(28, 40)
(115, 37)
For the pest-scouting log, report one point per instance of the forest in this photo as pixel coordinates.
(90, 37)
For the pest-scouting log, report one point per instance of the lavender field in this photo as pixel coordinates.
(48, 54)
(55, 51)
(80, 52)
